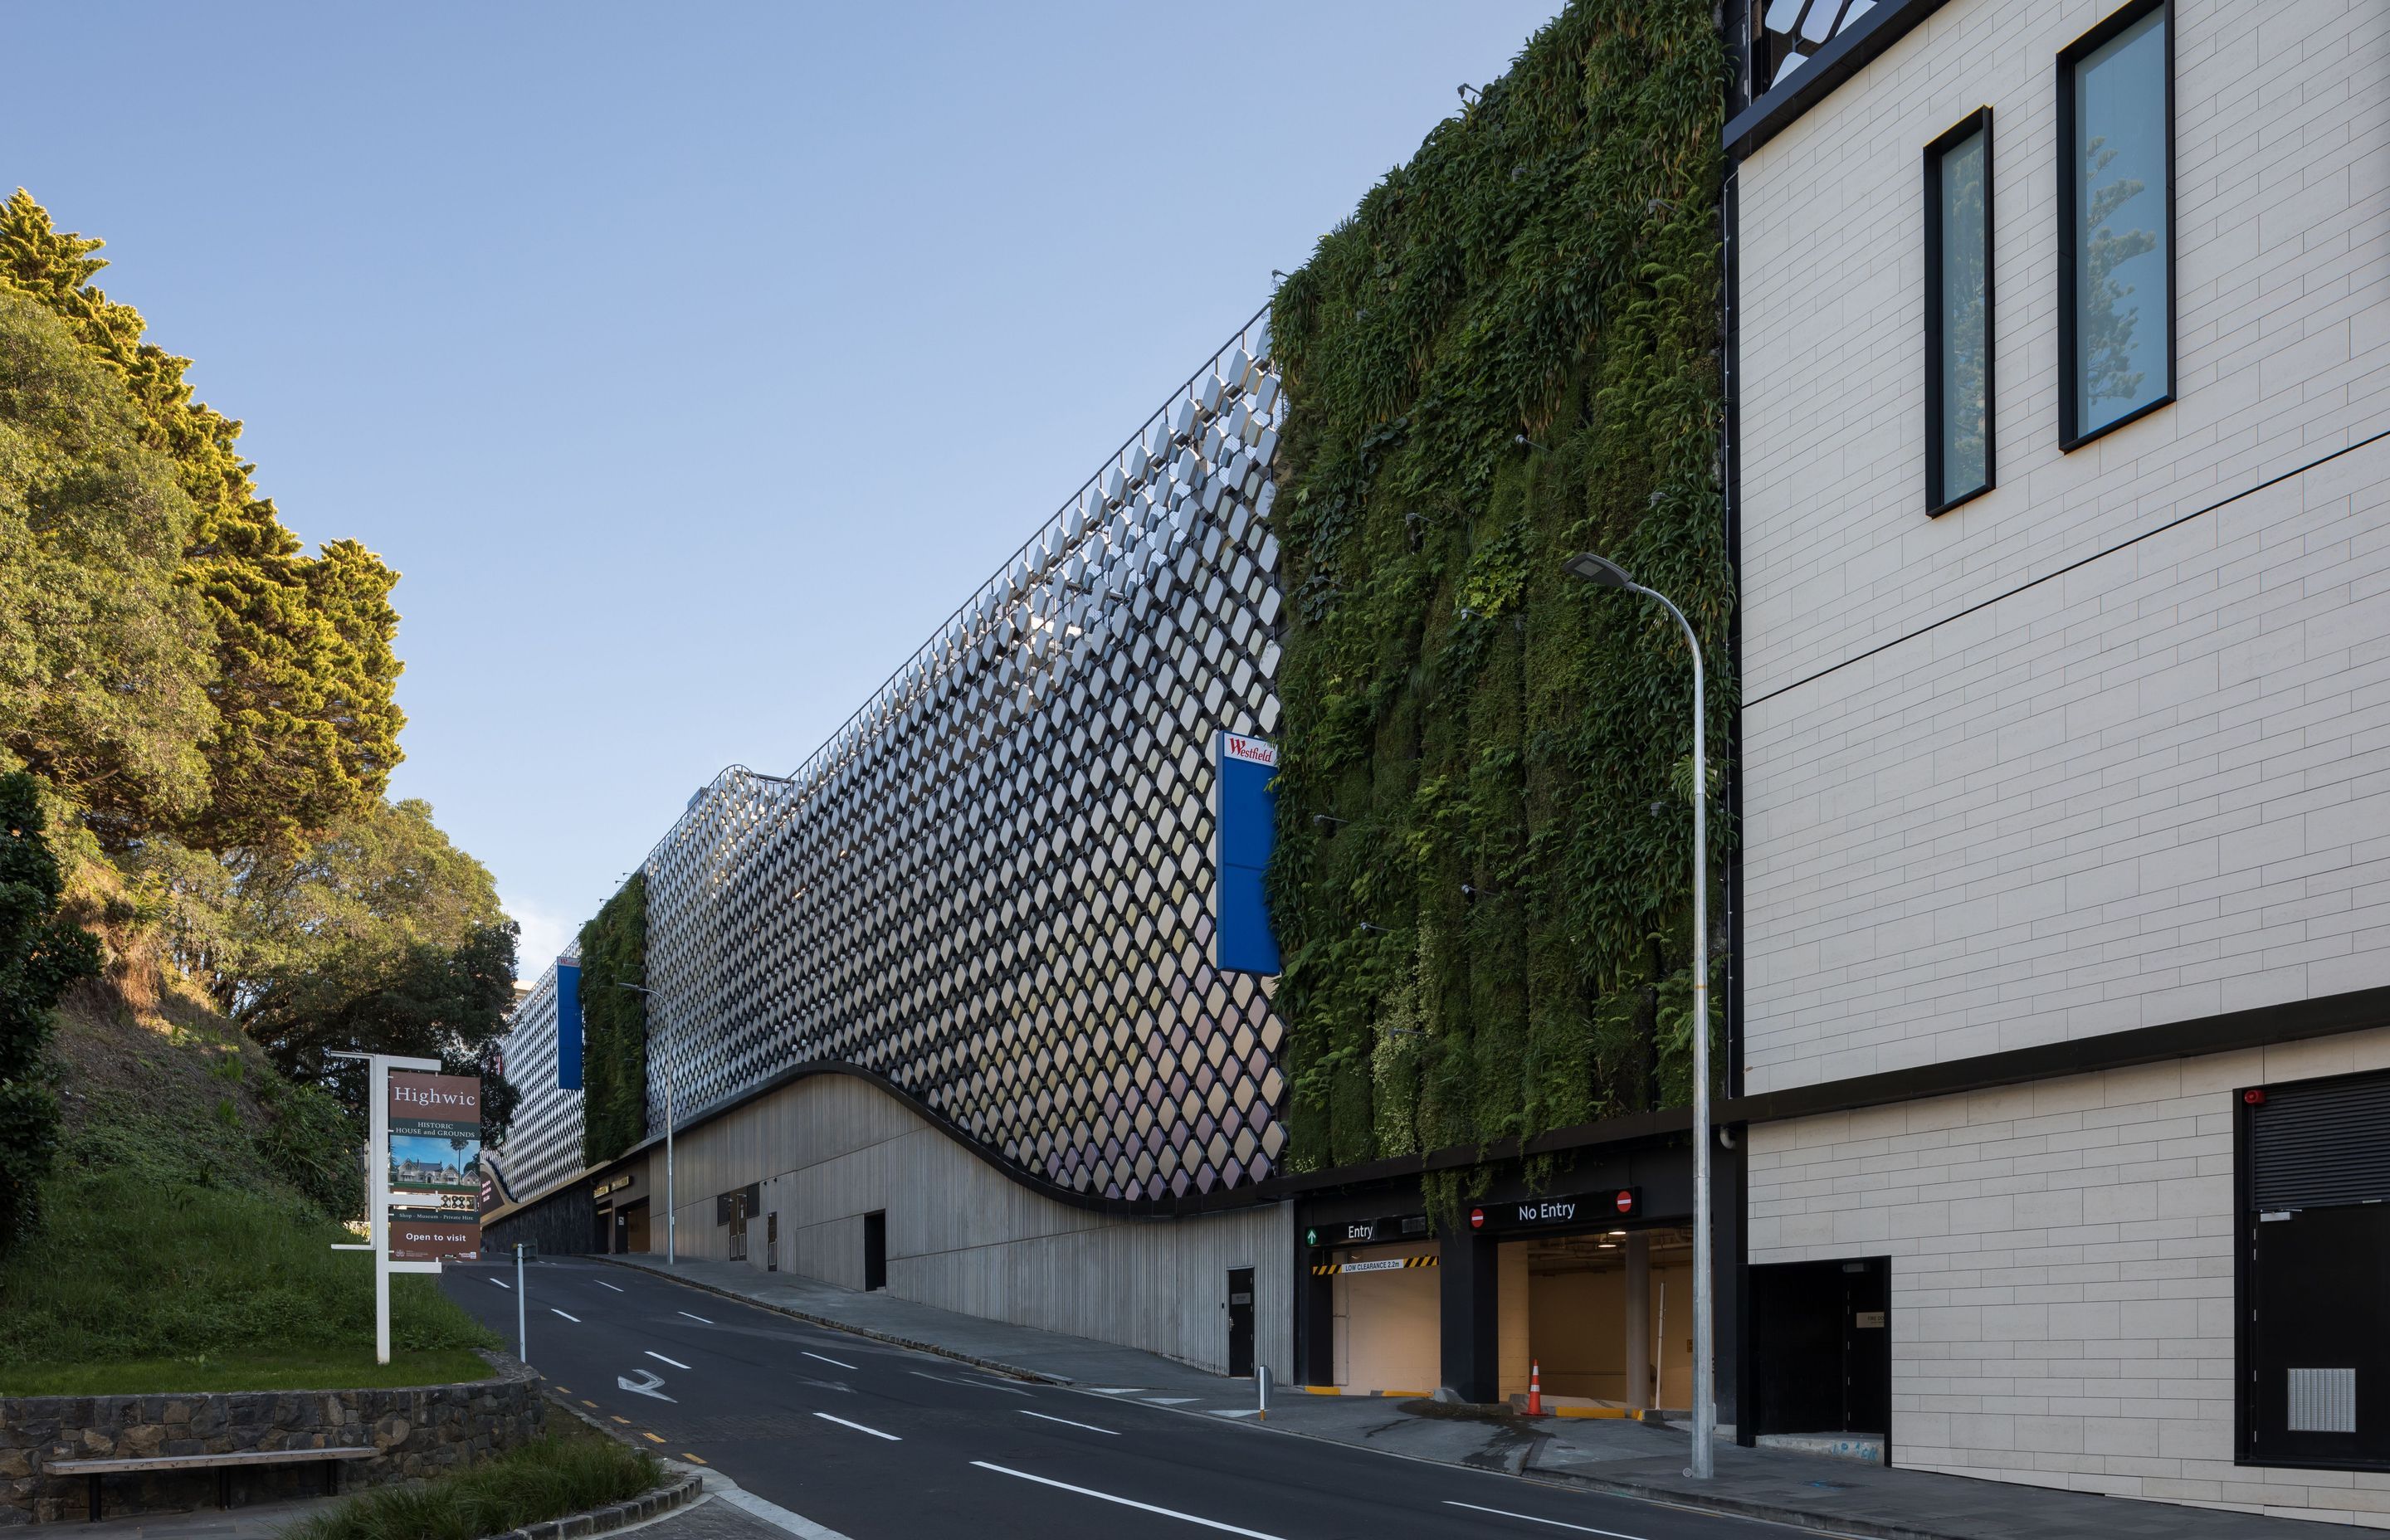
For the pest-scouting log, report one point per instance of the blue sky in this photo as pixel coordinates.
(691, 363)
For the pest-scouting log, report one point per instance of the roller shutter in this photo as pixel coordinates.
(2322, 1145)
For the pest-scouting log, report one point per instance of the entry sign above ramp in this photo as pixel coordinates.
(1242, 940)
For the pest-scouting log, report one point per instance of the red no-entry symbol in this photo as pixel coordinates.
(1477, 1219)
(1627, 1200)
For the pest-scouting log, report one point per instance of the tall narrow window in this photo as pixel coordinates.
(1959, 314)
(2115, 190)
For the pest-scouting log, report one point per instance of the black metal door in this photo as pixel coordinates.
(1821, 1347)
(1867, 1346)
(1241, 1321)
(2317, 1351)
(875, 1250)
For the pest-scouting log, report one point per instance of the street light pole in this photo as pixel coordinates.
(672, 1210)
(1609, 574)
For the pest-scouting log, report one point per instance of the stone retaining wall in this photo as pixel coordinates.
(418, 1430)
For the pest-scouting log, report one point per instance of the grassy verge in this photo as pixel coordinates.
(565, 1472)
(258, 1370)
(142, 1284)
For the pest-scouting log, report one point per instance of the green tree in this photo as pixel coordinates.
(105, 656)
(379, 936)
(41, 954)
(448, 1003)
(305, 728)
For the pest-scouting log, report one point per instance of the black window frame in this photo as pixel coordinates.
(1936, 502)
(2070, 373)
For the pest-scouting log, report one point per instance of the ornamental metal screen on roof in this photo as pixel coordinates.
(1789, 32)
(992, 887)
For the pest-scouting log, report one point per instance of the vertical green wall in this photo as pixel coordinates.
(614, 1024)
(1509, 353)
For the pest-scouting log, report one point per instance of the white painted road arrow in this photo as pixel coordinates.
(650, 1382)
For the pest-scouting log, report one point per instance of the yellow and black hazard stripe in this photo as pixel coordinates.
(1322, 1269)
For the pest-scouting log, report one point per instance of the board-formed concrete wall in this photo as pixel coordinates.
(826, 1151)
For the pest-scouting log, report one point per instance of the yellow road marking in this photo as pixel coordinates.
(623, 1421)
(591, 1404)
(686, 1455)
(652, 1438)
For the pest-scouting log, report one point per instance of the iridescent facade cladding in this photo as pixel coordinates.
(543, 1144)
(992, 887)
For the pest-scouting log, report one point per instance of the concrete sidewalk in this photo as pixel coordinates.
(1634, 1460)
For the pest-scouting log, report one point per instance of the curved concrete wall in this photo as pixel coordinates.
(961, 1235)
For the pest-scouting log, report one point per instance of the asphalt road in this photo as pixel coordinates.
(879, 1442)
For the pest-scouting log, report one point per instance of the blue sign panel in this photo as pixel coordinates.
(1241, 940)
(568, 1025)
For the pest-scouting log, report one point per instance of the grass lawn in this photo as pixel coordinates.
(135, 1286)
(247, 1369)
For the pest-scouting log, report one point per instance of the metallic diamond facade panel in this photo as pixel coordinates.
(992, 887)
(543, 1144)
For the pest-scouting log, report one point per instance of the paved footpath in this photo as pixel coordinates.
(1627, 1458)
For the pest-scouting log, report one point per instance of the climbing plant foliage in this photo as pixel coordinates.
(1508, 354)
(614, 1024)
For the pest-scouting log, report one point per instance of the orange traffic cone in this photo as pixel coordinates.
(1535, 1388)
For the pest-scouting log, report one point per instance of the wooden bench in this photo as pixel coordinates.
(223, 1465)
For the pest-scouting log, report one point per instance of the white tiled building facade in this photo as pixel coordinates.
(2099, 757)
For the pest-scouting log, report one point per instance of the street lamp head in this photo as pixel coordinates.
(1600, 570)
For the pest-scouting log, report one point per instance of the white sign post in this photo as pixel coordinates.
(378, 1068)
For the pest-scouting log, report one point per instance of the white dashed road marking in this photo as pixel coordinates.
(574, 1319)
(1127, 1502)
(824, 1358)
(1615, 1534)
(1068, 1423)
(697, 1318)
(858, 1426)
(969, 1384)
(661, 1359)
